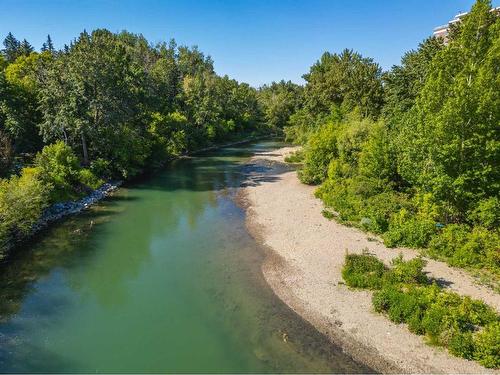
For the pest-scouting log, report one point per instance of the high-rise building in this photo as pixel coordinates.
(443, 31)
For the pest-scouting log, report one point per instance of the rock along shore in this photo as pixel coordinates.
(60, 210)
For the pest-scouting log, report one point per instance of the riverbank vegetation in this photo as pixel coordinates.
(468, 328)
(107, 106)
(412, 154)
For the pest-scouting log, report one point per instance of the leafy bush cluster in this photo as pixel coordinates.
(468, 328)
(463, 246)
(22, 200)
(295, 157)
(59, 169)
(56, 176)
(420, 166)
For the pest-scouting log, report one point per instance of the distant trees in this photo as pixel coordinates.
(90, 95)
(13, 48)
(48, 45)
(348, 80)
(106, 88)
(279, 101)
(105, 106)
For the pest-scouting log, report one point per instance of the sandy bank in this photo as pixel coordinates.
(304, 269)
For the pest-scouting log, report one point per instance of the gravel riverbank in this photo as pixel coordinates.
(303, 267)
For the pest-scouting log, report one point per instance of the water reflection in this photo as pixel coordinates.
(161, 277)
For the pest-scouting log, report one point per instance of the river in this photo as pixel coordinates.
(160, 277)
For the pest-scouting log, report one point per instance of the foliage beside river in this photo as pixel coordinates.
(412, 154)
(468, 328)
(106, 106)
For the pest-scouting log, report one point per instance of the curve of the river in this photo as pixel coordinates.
(161, 277)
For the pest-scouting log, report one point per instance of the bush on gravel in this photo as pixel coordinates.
(468, 328)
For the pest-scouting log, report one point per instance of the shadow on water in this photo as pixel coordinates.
(160, 277)
(59, 245)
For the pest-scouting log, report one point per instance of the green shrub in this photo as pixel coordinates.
(101, 168)
(338, 195)
(468, 328)
(377, 158)
(364, 201)
(462, 246)
(408, 230)
(481, 245)
(383, 298)
(486, 213)
(295, 157)
(88, 179)
(402, 306)
(328, 214)
(22, 200)
(379, 208)
(446, 243)
(461, 344)
(487, 345)
(473, 312)
(319, 150)
(59, 167)
(415, 321)
(434, 322)
(407, 272)
(363, 271)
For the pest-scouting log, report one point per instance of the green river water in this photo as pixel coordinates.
(160, 277)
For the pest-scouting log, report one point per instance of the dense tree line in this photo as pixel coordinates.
(108, 105)
(412, 154)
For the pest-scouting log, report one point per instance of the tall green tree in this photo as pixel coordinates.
(89, 98)
(346, 79)
(166, 78)
(20, 104)
(25, 48)
(48, 45)
(450, 144)
(12, 48)
(279, 101)
(403, 83)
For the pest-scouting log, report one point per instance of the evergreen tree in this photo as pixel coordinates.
(25, 48)
(12, 48)
(48, 45)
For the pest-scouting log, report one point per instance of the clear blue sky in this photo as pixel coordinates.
(253, 41)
